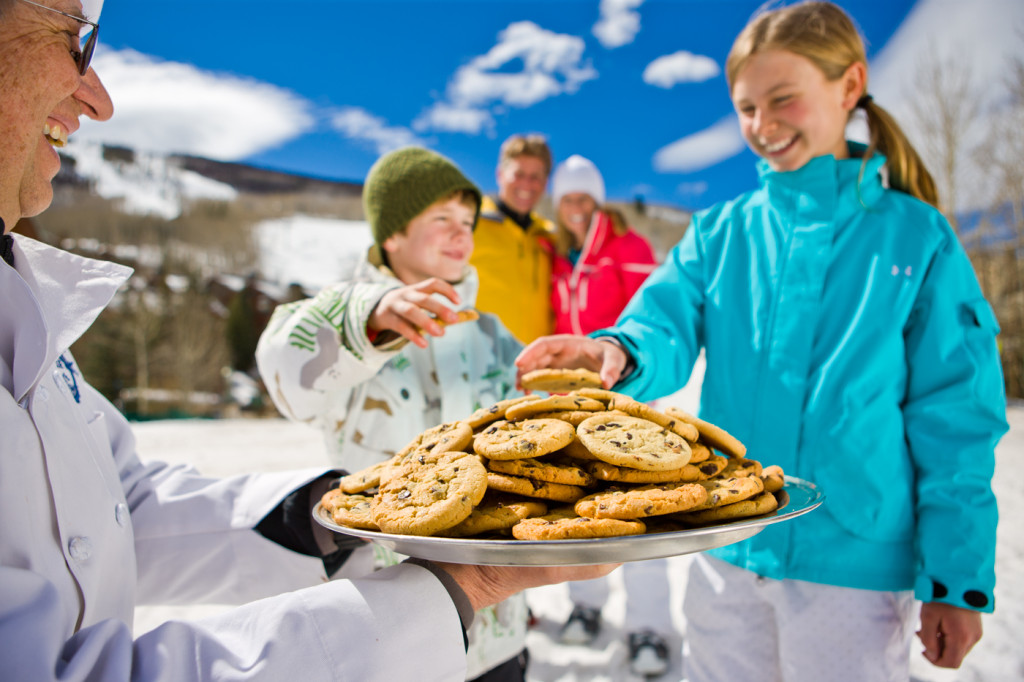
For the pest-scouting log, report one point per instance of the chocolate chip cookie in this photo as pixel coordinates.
(641, 502)
(633, 442)
(564, 524)
(551, 470)
(422, 499)
(713, 435)
(529, 487)
(523, 439)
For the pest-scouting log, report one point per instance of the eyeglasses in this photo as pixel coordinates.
(89, 31)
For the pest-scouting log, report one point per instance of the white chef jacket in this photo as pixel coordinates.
(87, 531)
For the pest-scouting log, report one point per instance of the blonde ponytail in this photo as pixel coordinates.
(907, 171)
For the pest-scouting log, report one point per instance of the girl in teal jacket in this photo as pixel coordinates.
(848, 341)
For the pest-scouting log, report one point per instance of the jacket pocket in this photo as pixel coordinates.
(978, 314)
(864, 469)
(980, 329)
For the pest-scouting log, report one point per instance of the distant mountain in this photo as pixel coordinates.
(234, 218)
(253, 180)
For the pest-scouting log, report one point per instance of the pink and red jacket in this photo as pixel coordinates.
(611, 267)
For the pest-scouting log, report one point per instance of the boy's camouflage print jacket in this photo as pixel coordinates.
(370, 401)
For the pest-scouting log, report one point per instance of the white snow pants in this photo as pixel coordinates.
(740, 626)
(647, 595)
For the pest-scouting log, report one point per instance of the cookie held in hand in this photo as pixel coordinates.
(467, 315)
(560, 380)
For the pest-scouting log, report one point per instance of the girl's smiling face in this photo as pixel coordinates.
(789, 112)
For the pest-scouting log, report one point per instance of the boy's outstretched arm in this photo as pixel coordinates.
(410, 311)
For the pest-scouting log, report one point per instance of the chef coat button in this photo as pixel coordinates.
(43, 393)
(80, 548)
(121, 514)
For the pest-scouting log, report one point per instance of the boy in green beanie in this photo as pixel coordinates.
(366, 360)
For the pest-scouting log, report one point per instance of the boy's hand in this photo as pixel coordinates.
(410, 310)
(948, 632)
(568, 351)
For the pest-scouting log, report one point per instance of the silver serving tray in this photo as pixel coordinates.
(803, 496)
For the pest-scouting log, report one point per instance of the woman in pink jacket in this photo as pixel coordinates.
(597, 265)
(598, 260)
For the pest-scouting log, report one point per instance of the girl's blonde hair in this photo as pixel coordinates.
(564, 240)
(824, 34)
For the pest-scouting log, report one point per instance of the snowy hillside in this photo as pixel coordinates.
(148, 184)
(313, 252)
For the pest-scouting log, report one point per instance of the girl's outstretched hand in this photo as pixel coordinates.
(411, 310)
(948, 633)
(568, 351)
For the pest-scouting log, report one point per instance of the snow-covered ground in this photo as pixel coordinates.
(232, 446)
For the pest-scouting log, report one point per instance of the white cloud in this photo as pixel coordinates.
(360, 124)
(702, 149)
(171, 107)
(551, 65)
(619, 22)
(455, 119)
(680, 67)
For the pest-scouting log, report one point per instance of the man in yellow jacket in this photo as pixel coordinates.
(512, 252)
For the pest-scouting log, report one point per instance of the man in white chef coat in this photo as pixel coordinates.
(87, 530)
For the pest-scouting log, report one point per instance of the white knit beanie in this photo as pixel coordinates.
(577, 174)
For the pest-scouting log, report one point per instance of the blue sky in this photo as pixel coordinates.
(322, 88)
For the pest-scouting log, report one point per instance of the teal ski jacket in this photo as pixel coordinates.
(847, 340)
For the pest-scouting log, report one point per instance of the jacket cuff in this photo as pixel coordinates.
(630, 366)
(362, 302)
(292, 526)
(455, 591)
(956, 593)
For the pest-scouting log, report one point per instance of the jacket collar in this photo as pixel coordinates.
(52, 297)
(489, 209)
(824, 177)
(597, 235)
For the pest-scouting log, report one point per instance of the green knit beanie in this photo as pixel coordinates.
(404, 183)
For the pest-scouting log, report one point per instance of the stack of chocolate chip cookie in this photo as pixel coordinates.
(585, 463)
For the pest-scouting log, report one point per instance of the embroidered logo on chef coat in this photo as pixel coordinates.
(67, 372)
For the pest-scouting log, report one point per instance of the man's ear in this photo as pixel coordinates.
(390, 244)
